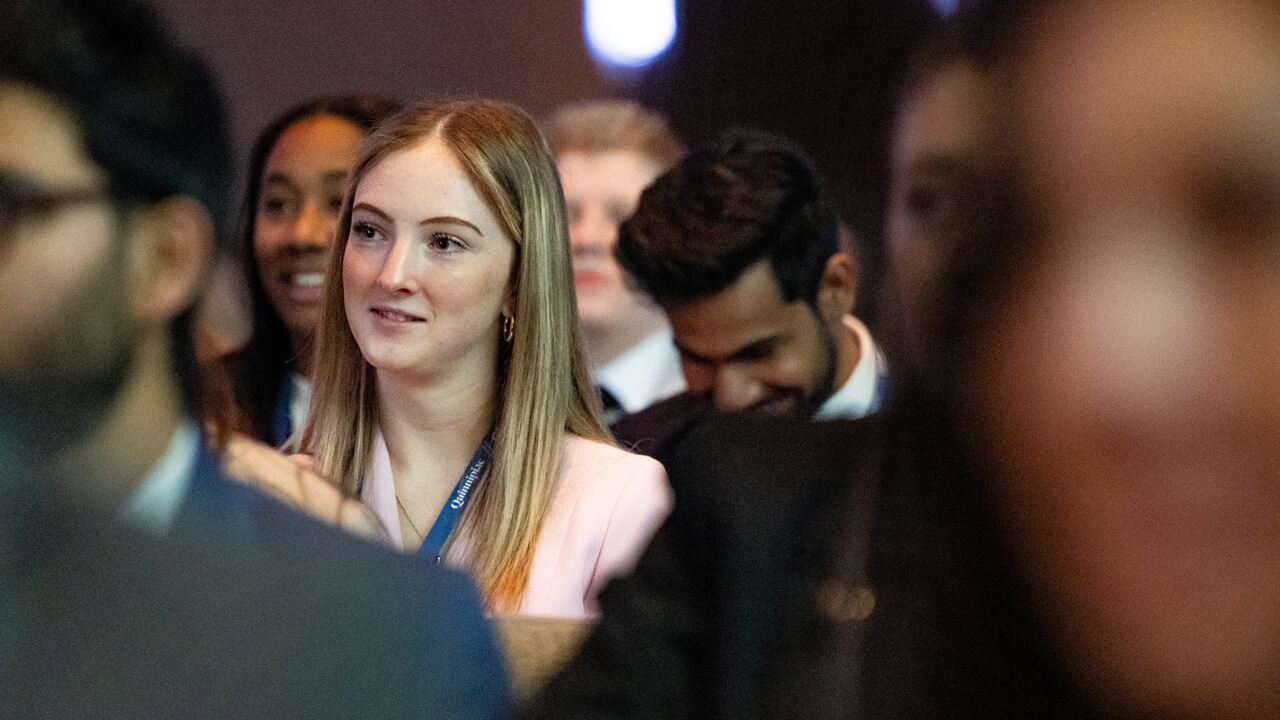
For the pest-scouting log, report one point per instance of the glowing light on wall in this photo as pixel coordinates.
(629, 33)
(945, 7)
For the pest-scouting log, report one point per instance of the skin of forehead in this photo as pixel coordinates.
(42, 140)
(313, 146)
(749, 310)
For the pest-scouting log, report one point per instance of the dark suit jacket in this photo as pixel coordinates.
(811, 570)
(710, 619)
(249, 610)
(649, 431)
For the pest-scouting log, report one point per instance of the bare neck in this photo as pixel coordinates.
(848, 352)
(432, 429)
(605, 342)
(108, 464)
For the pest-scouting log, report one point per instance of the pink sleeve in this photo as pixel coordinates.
(639, 508)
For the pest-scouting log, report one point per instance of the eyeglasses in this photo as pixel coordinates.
(21, 199)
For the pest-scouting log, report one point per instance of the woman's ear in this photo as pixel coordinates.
(172, 242)
(838, 287)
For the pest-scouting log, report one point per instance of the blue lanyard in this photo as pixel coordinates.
(282, 419)
(433, 544)
(881, 391)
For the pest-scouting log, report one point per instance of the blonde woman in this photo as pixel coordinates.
(451, 394)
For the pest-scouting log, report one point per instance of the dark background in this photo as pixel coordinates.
(821, 72)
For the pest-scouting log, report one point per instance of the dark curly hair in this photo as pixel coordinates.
(747, 197)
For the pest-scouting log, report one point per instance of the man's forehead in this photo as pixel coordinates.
(610, 171)
(947, 115)
(40, 141)
(747, 312)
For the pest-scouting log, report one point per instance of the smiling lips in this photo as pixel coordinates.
(307, 279)
(304, 287)
(394, 316)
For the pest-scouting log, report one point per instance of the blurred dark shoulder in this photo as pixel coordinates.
(103, 621)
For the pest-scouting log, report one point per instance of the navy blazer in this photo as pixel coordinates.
(248, 609)
(221, 510)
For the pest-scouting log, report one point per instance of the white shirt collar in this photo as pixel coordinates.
(155, 504)
(859, 395)
(299, 401)
(645, 374)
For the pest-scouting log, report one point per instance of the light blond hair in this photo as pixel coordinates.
(601, 126)
(544, 389)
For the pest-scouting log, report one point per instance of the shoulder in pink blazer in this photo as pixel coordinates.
(607, 506)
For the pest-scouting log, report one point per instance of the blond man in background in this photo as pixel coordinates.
(607, 153)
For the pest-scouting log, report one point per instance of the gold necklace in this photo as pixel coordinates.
(412, 526)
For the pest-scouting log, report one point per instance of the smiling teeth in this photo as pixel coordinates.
(308, 279)
(393, 315)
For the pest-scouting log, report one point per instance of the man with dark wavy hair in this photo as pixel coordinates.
(739, 244)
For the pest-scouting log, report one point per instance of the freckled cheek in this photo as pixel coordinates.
(358, 274)
(476, 294)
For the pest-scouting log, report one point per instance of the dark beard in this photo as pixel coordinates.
(826, 387)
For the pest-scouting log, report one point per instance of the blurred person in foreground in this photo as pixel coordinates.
(607, 152)
(739, 245)
(298, 171)
(451, 392)
(1072, 509)
(139, 577)
(942, 126)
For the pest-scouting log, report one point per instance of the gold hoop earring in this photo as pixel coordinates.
(508, 327)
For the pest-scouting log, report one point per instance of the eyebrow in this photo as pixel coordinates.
(369, 208)
(753, 348)
(450, 220)
(278, 179)
(442, 220)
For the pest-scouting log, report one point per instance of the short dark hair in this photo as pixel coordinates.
(256, 373)
(148, 109)
(749, 196)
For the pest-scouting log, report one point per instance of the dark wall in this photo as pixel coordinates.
(272, 54)
(821, 72)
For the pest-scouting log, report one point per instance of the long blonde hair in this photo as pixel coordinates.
(544, 389)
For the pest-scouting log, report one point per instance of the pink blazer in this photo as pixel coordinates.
(606, 508)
